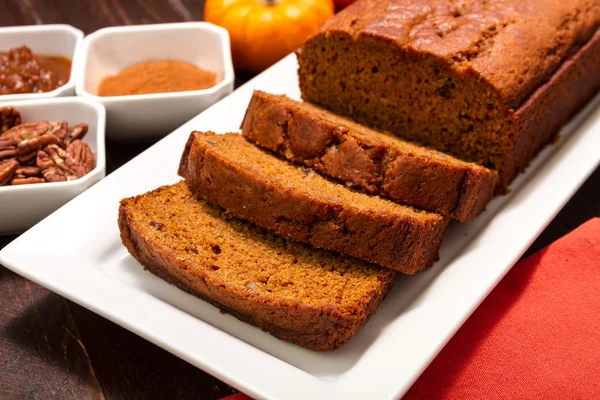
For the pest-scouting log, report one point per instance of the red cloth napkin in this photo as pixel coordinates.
(536, 336)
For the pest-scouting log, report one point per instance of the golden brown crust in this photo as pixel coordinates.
(513, 46)
(316, 328)
(300, 205)
(376, 162)
(553, 104)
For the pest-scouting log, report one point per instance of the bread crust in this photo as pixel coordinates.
(403, 239)
(553, 104)
(314, 328)
(373, 161)
(514, 48)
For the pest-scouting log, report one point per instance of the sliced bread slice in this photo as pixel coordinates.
(377, 162)
(313, 298)
(299, 204)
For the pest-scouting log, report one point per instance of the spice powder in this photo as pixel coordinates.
(157, 77)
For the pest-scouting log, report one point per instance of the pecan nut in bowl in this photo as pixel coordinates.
(28, 163)
(58, 165)
(8, 149)
(82, 154)
(28, 172)
(66, 134)
(9, 117)
(30, 130)
(28, 148)
(42, 151)
(25, 175)
(7, 170)
(26, 181)
(32, 136)
(75, 132)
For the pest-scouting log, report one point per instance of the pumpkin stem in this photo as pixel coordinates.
(270, 3)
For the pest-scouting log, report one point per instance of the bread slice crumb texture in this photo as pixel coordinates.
(366, 134)
(301, 205)
(245, 259)
(284, 175)
(376, 162)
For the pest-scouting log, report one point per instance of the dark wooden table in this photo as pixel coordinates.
(53, 348)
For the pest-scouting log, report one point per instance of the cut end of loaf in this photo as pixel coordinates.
(414, 96)
(374, 161)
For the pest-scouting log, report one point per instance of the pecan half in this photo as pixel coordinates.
(32, 136)
(29, 130)
(28, 163)
(26, 181)
(75, 132)
(9, 117)
(7, 170)
(8, 149)
(62, 132)
(28, 172)
(82, 154)
(58, 166)
(28, 148)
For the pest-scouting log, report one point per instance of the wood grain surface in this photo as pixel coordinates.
(51, 348)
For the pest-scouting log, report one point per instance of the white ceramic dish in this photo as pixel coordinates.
(419, 316)
(110, 50)
(63, 40)
(23, 206)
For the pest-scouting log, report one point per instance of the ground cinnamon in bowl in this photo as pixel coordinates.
(157, 77)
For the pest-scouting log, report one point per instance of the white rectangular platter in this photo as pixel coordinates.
(77, 253)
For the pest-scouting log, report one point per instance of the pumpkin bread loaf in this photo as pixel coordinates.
(377, 162)
(313, 298)
(298, 204)
(491, 82)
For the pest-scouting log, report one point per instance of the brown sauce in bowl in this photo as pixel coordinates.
(21, 71)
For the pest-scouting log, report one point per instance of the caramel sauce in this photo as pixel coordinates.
(22, 71)
(60, 64)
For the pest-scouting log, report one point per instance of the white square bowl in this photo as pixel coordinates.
(23, 206)
(138, 117)
(59, 40)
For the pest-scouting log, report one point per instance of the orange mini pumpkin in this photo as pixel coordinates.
(264, 31)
